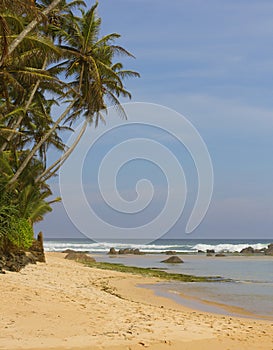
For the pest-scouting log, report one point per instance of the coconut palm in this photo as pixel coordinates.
(42, 52)
(94, 76)
(15, 7)
(39, 17)
(19, 89)
(41, 43)
(47, 81)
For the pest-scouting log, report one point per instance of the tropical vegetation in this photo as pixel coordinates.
(51, 54)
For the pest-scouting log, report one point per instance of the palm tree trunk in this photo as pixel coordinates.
(39, 144)
(30, 27)
(17, 124)
(51, 171)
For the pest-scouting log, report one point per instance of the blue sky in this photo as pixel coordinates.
(211, 61)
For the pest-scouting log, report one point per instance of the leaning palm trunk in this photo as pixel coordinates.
(18, 122)
(30, 27)
(40, 143)
(56, 166)
(44, 138)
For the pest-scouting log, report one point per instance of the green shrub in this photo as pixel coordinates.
(20, 233)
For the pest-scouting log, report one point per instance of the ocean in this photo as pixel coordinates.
(250, 289)
(161, 245)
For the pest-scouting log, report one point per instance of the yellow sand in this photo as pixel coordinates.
(65, 305)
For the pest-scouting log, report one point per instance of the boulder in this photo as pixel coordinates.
(260, 251)
(135, 251)
(210, 251)
(170, 252)
(80, 257)
(248, 250)
(173, 260)
(220, 255)
(269, 250)
(112, 251)
(124, 251)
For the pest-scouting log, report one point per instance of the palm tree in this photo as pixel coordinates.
(42, 52)
(41, 42)
(39, 17)
(95, 78)
(20, 78)
(47, 80)
(15, 7)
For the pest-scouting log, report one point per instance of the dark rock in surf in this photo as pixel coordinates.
(125, 251)
(170, 252)
(260, 251)
(248, 250)
(112, 251)
(135, 251)
(173, 260)
(269, 250)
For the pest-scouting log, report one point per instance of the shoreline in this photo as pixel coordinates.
(70, 306)
(215, 298)
(204, 305)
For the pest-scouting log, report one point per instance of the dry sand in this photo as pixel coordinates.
(65, 305)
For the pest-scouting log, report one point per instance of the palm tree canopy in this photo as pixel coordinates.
(49, 55)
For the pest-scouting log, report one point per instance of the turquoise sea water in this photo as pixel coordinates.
(251, 285)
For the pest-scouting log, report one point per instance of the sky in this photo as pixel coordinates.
(212, 62)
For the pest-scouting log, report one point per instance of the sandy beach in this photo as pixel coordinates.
(65, 305)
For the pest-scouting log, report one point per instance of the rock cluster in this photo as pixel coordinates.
(251, 250)
(136, 251)
(246, 251)
(170, 252)
(15, 259)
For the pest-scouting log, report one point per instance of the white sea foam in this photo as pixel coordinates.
(183, 246)
(102, 247)
(228, 247)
